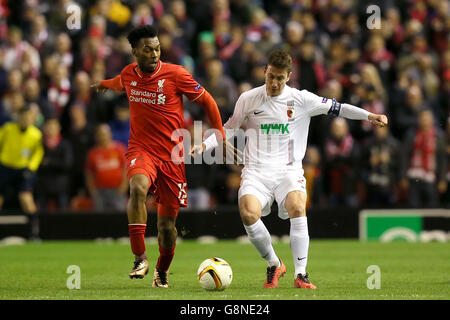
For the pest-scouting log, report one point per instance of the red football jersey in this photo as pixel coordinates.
(156, 105)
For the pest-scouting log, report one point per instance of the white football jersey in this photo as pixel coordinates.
(276, 127)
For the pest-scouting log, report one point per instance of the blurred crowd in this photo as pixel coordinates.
(401, 69)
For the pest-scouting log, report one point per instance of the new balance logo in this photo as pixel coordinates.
(133, 83)
(274, 128)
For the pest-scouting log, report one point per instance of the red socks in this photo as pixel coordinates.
(137, 234)
(165, 258)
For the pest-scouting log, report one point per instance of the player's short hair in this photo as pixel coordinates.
(280, 59)
(140, 32)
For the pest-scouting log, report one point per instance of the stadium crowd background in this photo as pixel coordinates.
(401, 69)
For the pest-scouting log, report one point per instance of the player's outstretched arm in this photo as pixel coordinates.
(114, 83)
(379, 120)
(229, 151)
(212, 111)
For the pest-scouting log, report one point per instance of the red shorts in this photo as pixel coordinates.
(167, 179)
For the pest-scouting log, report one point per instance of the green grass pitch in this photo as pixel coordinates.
(338, 268)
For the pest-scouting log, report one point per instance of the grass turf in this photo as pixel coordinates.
(338, 268)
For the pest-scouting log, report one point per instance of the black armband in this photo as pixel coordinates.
(335, 108)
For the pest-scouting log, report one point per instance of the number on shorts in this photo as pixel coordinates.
(182, 194)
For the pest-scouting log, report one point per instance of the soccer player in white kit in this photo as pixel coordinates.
(276, 118)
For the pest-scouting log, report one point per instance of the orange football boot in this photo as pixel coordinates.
(273, 274)
(302, 281)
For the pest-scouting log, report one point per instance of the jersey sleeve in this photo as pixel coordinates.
(233, 123)
(239, 114)
(315, 105)
(37, 156)
(187, 85)
(114, 83)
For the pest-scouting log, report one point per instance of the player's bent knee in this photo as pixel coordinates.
(249, 217)
(297, 212)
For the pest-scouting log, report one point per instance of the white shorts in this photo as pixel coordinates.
(269, 185)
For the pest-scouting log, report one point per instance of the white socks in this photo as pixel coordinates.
(299, 240)
(260, 237)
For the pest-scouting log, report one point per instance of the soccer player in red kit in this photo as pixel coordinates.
(155, 92)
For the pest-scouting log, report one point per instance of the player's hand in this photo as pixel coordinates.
(379, 120)
(230, 152)
(99, 88)
(197, 149)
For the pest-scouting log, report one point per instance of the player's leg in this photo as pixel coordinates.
(137, 223)
(295, 204)
(171, 194)
(250, 209)
(167, 236)
(28, 205)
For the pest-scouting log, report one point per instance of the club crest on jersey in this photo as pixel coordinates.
(197, 87)
(291, 109)
(161, 85)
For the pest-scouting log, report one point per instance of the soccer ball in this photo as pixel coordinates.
(215, 274)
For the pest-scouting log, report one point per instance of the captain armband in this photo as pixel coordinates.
(335, 108)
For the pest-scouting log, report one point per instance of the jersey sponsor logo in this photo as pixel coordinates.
(197, 87)
(274, 128)
(161, 85)
(161, 99)
(147, 97)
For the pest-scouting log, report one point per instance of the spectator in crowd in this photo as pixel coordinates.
(81, 137)
(21, 153)
(445, 188)
(380, 167)
(63, 53)
(311, 73)
(407, 112)
(120, 125)
(221, 87)
(54, 172)
(424, 162)
(15, 51)
(313, 176)
(58, 93)
(32, 94)
(185, 23)
(340, 160)
(39, 36)
(105, 172)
